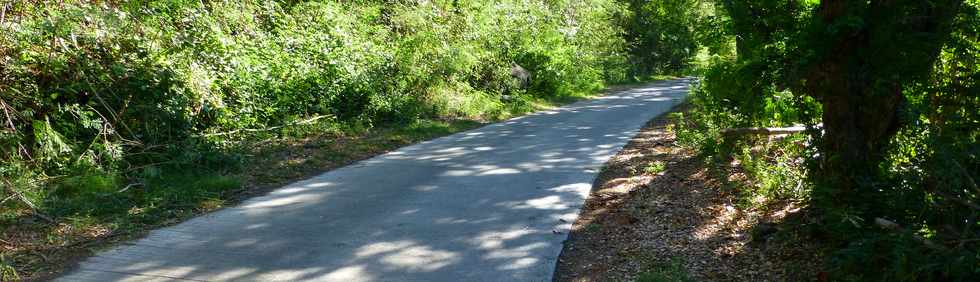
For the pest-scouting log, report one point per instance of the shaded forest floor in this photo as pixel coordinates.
(659, 212)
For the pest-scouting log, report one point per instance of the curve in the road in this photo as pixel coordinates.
(490, 204)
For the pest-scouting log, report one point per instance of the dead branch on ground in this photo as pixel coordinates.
(34, 210)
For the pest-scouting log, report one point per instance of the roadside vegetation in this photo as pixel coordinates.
(121, 116)
(845, 128)
(681, 221)
(887, 92)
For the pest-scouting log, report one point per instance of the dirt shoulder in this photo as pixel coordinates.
(658, 213)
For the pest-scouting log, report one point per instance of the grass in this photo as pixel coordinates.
(655, 167)
(661, 77)
(673, 271)
(94, 210)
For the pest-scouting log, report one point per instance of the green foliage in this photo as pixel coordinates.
(674, 271)
(777, 169)
(124, 113)
(131, 112)
(125, 91)
(7, 272)
(655, 167)
(924, 179)
(664, 36)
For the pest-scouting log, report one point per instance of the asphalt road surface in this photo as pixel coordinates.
(489, 204)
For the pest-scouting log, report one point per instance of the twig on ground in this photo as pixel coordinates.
(37, 213)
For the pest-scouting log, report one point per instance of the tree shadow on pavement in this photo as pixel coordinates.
(493, 203)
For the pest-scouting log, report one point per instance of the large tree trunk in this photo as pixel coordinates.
(858, 124)
(859, 83)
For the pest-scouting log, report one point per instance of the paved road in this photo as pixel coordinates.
(489, 204)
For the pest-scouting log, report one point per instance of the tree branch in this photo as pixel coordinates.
(764, 130)
(891, 225)
(10, 120)
(957, 200)
(966, 174)
(19, 196)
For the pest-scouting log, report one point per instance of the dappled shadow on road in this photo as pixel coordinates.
(492, 203)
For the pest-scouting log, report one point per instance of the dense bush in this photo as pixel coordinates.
(909, 215)
(661, 34)
(127, 89)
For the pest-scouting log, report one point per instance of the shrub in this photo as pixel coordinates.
(104, 95)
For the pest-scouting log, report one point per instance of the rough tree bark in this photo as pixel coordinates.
(860, 84)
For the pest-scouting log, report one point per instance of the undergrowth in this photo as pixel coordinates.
(120, 116)
(914, 222)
